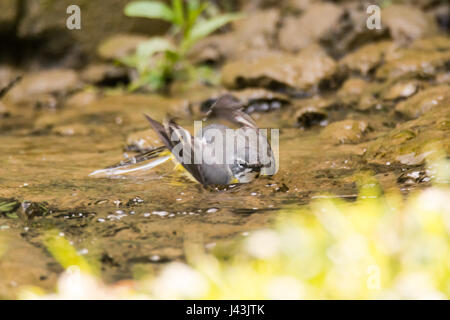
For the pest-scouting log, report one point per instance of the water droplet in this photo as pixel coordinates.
(155, 258)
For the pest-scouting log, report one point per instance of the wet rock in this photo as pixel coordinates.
(247, 36)
(442, 78)
(98, 22)
(346, 131)
(413, 141)
(357, 93)
(313, 25)
(119, 46)
(424, 101)
(304, 71)
(406, 23)
(353, 87)
(105, 75)
(134, 201)
(400, 90)
(309, 116)
(253, 100)
(53, 82)
(440, 43)
(442, 16)
(299, 5)
(350, 32)
(367, 101)
(82, 98)
(368, 57)
(30, 210)
(71, 130)
(258, 29)
(142, 141)
(405, 62)
(412, 177)
(213, 49)
(8, 11)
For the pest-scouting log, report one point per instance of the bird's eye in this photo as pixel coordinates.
(240, 165)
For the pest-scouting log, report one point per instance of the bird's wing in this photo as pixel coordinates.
(189, 144)
(230, 108)
(160, 131)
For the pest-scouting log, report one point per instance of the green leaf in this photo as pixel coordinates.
(178, 12)
(205, 28)
(130, 61)
(63, 252)
(149, 9)
(8, 205)
(195, 9)
(154, 45)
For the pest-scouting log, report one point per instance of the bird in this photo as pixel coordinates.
(217, 155)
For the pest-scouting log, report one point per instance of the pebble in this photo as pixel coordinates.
(160, 213)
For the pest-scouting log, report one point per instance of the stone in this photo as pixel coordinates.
(248, 36)
(119, 46)
(424, 101)
(412, 142)
(311, 26)
(345, 131)
(309, 116)
(439, 42)
(368, 57)
(406, 23)
(303, 71)
(43, 83)
(99, 21)
(253, 100)
(101, 73)
(400, 90)
(71, 130)
(82, 99)
(8, 11)
(353, 87)
(406, 62)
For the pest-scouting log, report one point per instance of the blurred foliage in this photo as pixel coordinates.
(161, 59)
(381, 246)
(8, 205)
(66, 255)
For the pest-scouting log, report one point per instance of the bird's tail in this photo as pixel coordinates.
(141, 162)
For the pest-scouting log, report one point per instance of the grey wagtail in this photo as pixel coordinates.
(217, 155)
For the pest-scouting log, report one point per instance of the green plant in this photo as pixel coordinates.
(161, 59)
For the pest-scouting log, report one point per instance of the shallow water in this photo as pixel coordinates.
(135, 223)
